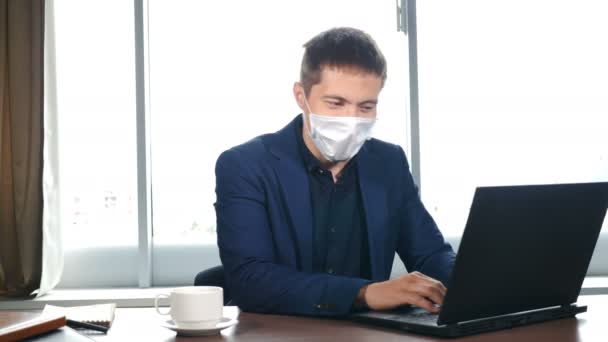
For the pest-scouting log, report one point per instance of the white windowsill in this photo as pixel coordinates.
(595, 285)
(123, 297)
(136, 297)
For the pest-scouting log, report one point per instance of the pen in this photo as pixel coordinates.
(78, 324)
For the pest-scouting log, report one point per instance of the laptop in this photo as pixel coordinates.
(522, 259)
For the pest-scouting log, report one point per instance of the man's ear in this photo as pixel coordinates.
(298, 94)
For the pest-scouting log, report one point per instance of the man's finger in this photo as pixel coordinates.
(436, 282)
(431, 292)
(423, 303)
(423, 288)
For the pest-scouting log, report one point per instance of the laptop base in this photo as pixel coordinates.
(401, 321)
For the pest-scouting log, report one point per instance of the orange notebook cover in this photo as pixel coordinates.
(16, 325)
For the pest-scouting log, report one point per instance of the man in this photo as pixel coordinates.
(309, 218)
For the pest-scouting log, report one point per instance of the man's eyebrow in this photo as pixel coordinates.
(374, 102)
(335, 97)
(342, 99)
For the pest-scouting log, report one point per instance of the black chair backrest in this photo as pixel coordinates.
(213, 277)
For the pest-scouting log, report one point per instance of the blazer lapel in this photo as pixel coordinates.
(373, 194)
(293, 179)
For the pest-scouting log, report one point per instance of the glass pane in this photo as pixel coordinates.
(222, 73)
(96, 124)
(511, 92)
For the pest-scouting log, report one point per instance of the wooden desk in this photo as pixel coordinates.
(140, 324)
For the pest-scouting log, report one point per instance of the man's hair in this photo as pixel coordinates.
(340, 47)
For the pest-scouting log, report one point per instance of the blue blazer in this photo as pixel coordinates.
(265, 226)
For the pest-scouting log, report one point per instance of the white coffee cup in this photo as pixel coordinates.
(194, 307)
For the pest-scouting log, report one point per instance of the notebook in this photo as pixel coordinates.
(18, 325)
(98, 314)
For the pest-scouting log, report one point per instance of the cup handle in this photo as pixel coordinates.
(156, 304)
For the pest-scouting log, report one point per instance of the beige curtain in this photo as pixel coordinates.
(21, 142)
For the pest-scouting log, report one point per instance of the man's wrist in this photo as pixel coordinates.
(360, 302)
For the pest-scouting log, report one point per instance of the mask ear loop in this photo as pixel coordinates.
(307, 117)
(308, 128)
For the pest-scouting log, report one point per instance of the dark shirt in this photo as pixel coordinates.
(340, 244)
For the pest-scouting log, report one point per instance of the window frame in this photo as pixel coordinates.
(144, 177)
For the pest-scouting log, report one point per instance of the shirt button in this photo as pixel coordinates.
(332, 229)
(320, 171)
(330, 270)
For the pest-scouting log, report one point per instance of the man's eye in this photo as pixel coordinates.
(334, 104)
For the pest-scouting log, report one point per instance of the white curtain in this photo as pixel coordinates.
(52, 249)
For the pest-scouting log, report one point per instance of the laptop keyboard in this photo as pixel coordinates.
(420, 317)
(404, 315)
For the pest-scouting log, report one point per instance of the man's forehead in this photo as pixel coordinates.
(345, 71)
(352, 84)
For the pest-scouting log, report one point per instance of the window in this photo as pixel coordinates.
(95, 88)
(222, 73)
(511, 92)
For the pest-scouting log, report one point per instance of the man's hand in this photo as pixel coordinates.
(413, 288)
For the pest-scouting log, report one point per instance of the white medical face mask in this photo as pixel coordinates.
(339, 138)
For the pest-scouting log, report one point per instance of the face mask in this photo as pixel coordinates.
(339, 138)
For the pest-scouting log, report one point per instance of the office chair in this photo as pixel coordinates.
(213, 276)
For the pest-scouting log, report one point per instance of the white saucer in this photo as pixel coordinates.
(224, 323)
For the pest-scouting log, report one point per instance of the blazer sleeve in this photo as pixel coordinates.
(256, 281)
(421, 246)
